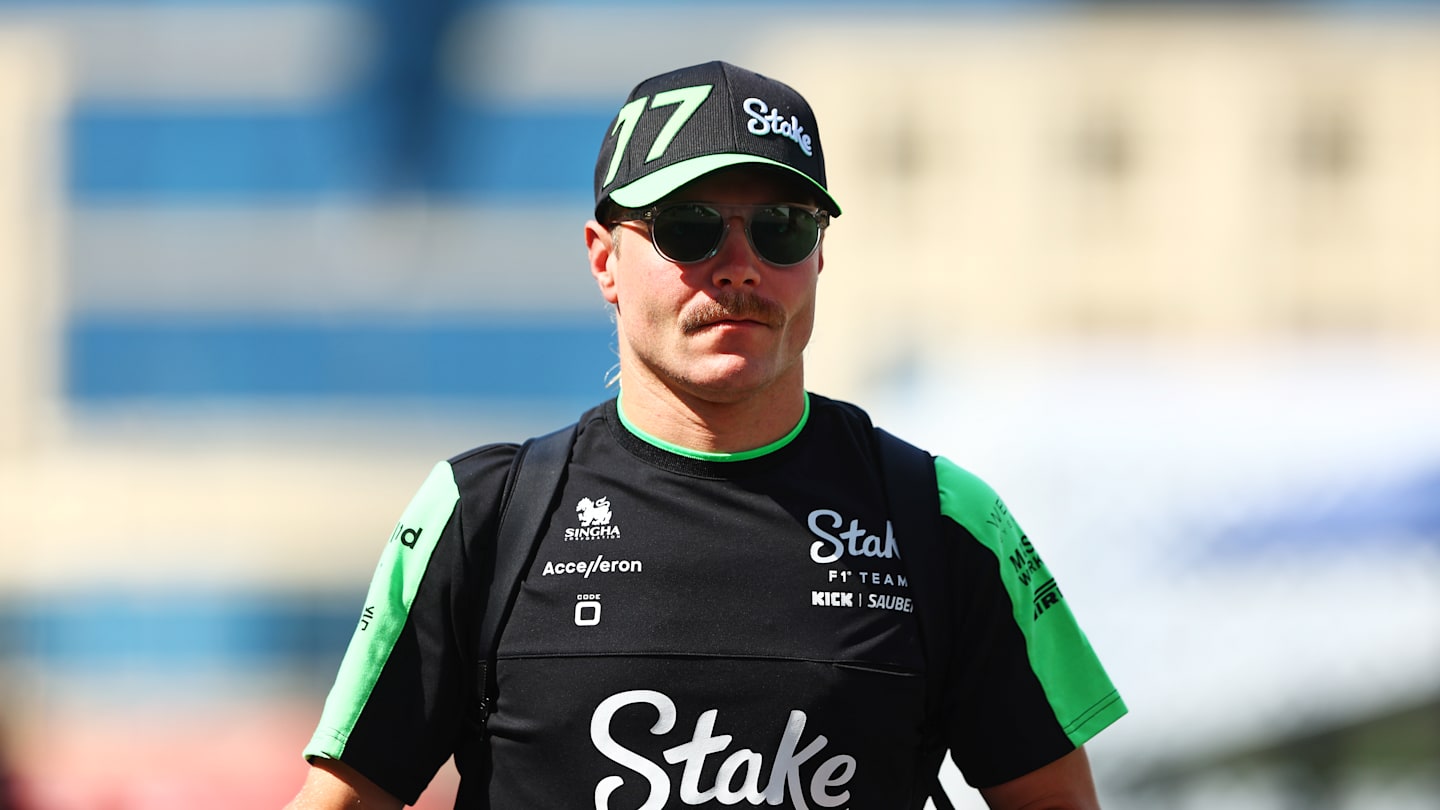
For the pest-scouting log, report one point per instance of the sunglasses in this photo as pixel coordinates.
(688, 232)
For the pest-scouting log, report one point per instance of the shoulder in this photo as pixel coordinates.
(839, 420)
(481, 469)
(479, 463)
(825, 407)
(962, 491)
(972, 503)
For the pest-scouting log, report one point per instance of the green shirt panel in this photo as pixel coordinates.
(1079, 691)
(387, 607)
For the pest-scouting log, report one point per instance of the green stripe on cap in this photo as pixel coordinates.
(650, 188)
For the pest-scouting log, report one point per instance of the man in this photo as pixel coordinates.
(719, 610)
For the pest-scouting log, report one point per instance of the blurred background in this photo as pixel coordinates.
(1166, 274)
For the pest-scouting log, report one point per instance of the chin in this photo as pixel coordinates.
(738, 379)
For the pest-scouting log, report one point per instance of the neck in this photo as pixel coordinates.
(709, 426)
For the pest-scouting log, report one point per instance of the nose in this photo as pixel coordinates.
(735, 262)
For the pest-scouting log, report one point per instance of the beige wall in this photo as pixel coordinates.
(31, 99)
(1180, 177)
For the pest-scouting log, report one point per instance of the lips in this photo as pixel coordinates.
(733, 322)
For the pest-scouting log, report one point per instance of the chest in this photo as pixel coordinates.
(684, 640)
(641, 561)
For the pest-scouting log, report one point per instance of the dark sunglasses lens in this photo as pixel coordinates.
(784, 234)
(687, 233)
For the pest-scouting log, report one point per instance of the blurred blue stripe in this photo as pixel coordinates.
(494, 151)
(195, 152)
(188, 153)
(176, 628)
(1366, 515)
(114, 358)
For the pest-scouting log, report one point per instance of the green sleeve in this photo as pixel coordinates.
(393, 588)
(1075, 685)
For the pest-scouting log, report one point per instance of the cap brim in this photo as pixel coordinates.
(654, 186)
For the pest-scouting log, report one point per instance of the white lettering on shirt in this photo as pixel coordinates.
(856, 539)
(739, 775)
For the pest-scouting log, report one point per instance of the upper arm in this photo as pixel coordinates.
(333, 785)
(1065, 784)
(399, 699)
(1025, 687)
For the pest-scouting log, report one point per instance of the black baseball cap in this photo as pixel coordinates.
(684, 124)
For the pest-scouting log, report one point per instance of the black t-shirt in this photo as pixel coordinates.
(706, 630)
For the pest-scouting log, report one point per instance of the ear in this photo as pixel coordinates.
(599, 245)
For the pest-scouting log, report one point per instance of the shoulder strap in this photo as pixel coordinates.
(913, 495)
(531, 488)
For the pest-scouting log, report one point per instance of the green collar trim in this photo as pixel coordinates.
(701, 455)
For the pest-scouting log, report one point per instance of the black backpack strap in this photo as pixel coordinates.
(913, 495)
(531, 488)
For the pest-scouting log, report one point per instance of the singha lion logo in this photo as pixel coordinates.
(593, 513)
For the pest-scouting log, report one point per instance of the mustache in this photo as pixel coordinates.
(732, 305)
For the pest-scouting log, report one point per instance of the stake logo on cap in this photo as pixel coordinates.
(681, 125)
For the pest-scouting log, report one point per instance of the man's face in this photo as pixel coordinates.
(720, 329)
